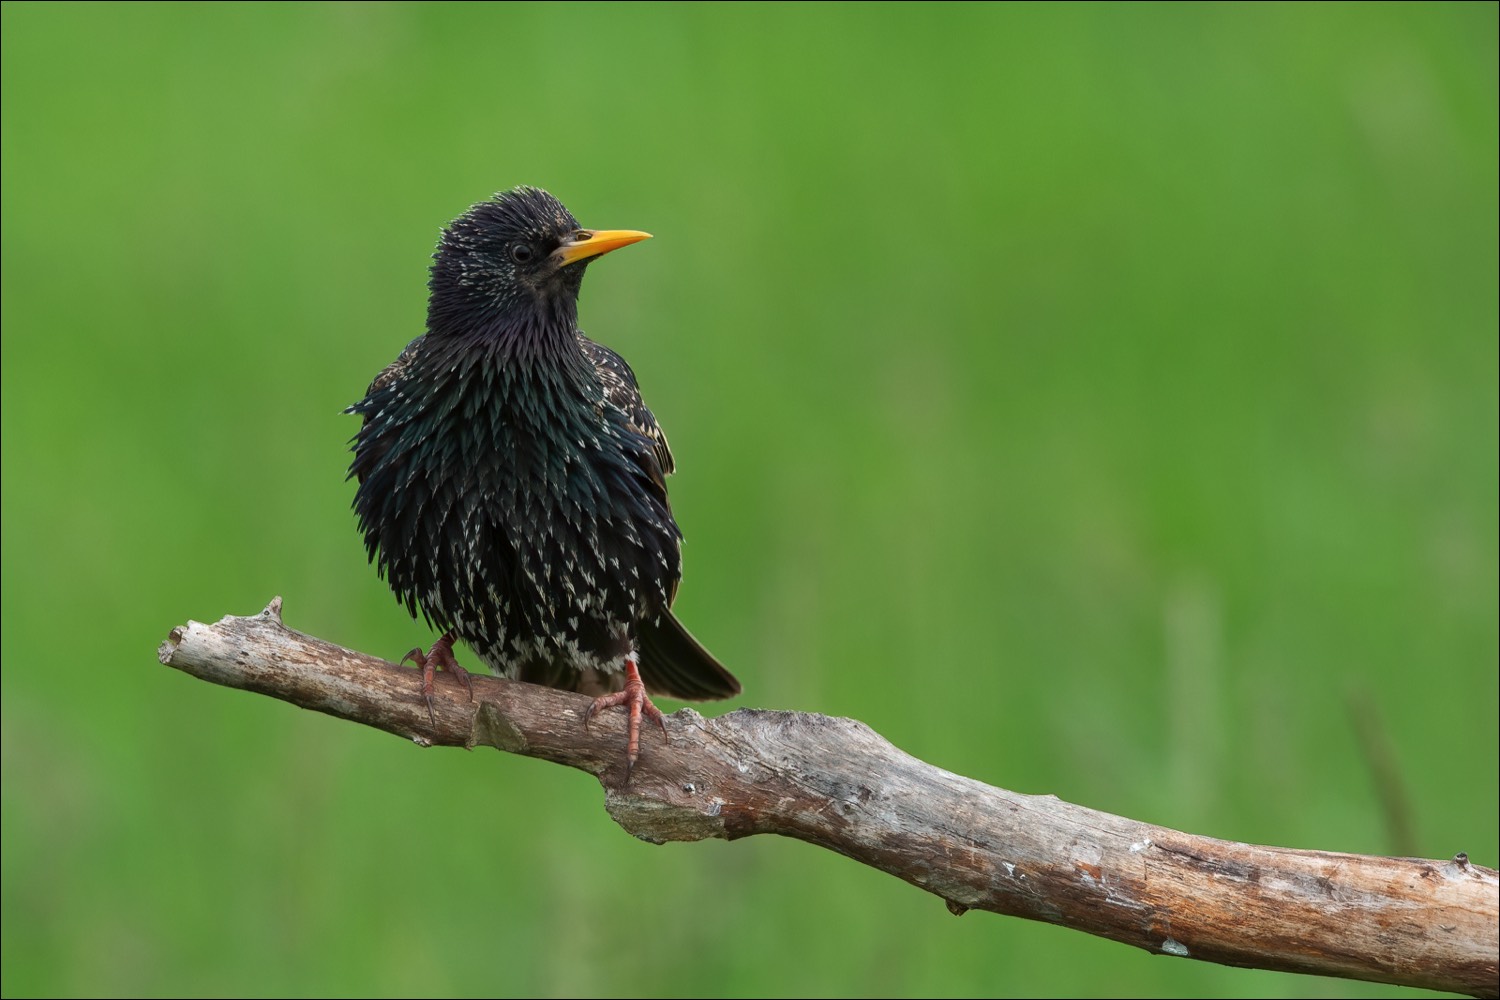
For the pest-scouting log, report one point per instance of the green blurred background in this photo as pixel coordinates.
(1096, 401)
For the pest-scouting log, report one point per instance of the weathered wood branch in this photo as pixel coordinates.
(836, 783)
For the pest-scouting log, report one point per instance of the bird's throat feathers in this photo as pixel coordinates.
(506, 318)
(522, 378)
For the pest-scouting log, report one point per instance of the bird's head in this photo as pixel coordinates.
(518, 255)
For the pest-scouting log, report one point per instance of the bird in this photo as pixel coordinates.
(512, 482)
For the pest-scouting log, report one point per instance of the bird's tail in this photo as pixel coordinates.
(675, 664)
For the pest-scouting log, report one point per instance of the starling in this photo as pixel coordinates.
(512, 483)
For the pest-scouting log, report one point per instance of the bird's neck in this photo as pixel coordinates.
(502, 321)
(517, 356)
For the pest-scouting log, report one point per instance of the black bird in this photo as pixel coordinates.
(512, 484)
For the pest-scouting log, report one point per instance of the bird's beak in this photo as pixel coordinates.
(588, 243)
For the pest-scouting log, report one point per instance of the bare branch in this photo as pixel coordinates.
(838, 784)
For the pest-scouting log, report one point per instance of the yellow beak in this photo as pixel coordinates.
(588, 243)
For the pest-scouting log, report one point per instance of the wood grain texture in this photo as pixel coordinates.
(838, 784)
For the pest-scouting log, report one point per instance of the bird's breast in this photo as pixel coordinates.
(517, 515)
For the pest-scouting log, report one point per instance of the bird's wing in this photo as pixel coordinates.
(622, 393)
(368, 453)
(395, 371)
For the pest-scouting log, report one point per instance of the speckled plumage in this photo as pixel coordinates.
(512, 483)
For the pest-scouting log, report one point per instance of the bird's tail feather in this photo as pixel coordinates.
(675, 664)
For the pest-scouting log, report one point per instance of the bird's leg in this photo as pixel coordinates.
(633, 696)
(440, 655)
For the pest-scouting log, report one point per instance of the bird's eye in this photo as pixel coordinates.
(521, 253)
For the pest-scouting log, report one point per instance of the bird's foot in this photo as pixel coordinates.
(440, 655)
(633, 697)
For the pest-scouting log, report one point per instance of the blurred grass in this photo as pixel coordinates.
(1093, 399)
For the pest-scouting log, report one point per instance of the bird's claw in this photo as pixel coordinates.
(633, 697)
(440, 655)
